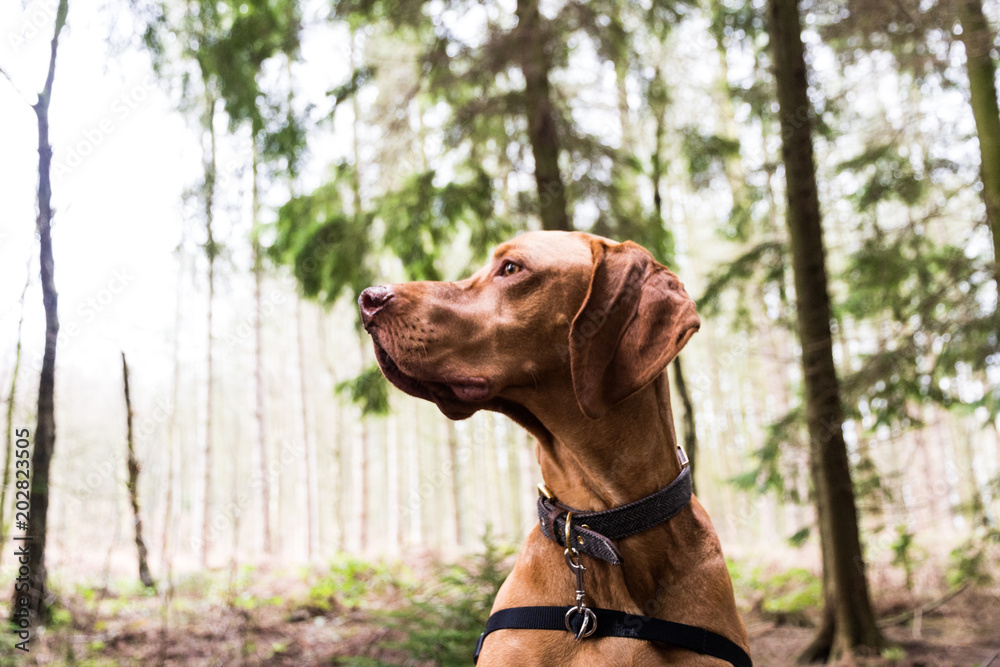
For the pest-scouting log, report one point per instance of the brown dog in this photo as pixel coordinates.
(569, 334)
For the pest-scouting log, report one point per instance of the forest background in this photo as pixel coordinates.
(227, 176)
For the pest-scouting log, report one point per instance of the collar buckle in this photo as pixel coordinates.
(682, 457)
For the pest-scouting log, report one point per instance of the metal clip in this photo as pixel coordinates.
(589, 625)
(682, 457)
(575, 564)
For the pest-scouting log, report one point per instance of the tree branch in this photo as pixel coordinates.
(14, 86)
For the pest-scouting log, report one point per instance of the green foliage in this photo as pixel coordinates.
(929, 297)
(422, 219)
(800, 536)
(9, 655)
(969, 564)
(442, 622)
(761, 266)
(768, 474)
(786, 596)
(350, 583)
(229, 43)
(330, 249)
(902, 553)
(868, 486)
(358, 79)
(60, 616)
(325, 246)
(370, 390)
(249, 32)
(894, 653)
(706, 154)
(915, 33)
(887, 175)
(793, 592)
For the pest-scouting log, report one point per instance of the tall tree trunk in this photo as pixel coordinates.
(11, 402)
(847, 592)
(978, 39)
(456, 491)
(362, 489)
(312, 524)
(689, 434)
(211, 250)
(45, 431)
(259, 396)
(533, 38)
(166, 542)
(133, 485)
(336, 471)
(658, 102)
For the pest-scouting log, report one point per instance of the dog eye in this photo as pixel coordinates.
(509, 268)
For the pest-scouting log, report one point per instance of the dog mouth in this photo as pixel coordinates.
(454, 396)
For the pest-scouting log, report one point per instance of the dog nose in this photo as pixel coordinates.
(373, 300)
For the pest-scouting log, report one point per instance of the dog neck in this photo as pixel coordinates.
(630, 452)
(674, 571)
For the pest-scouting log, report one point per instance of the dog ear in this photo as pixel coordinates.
(635, 319)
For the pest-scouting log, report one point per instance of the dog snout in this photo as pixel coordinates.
(371, 301)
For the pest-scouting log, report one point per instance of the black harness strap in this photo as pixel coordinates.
(612, 623)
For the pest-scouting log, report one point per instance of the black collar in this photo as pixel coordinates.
(594, 533)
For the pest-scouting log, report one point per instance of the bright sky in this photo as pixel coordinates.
(121, 160)
(123, 157)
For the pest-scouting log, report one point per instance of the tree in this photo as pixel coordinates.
(133, 485)
(978, 39)
(211, 252)
(225, 45)
(908, 30)
(259, 401)
(11, 401)
(660, 20)
(45, 431)
(533, 44)
(848, 619)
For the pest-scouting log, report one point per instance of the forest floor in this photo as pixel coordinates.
(355, 614)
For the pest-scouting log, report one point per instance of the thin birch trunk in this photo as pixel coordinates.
(11, 402)
(362, 489)
(211, 251)
(312, 527)
(133, 486)
(166, 544)
(45, 431)
(260, 402)
(456, 491)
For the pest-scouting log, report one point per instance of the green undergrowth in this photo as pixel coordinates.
(351, 583)
(442, 618)
(787, 597)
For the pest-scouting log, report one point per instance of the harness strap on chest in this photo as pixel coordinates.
(612, 623)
